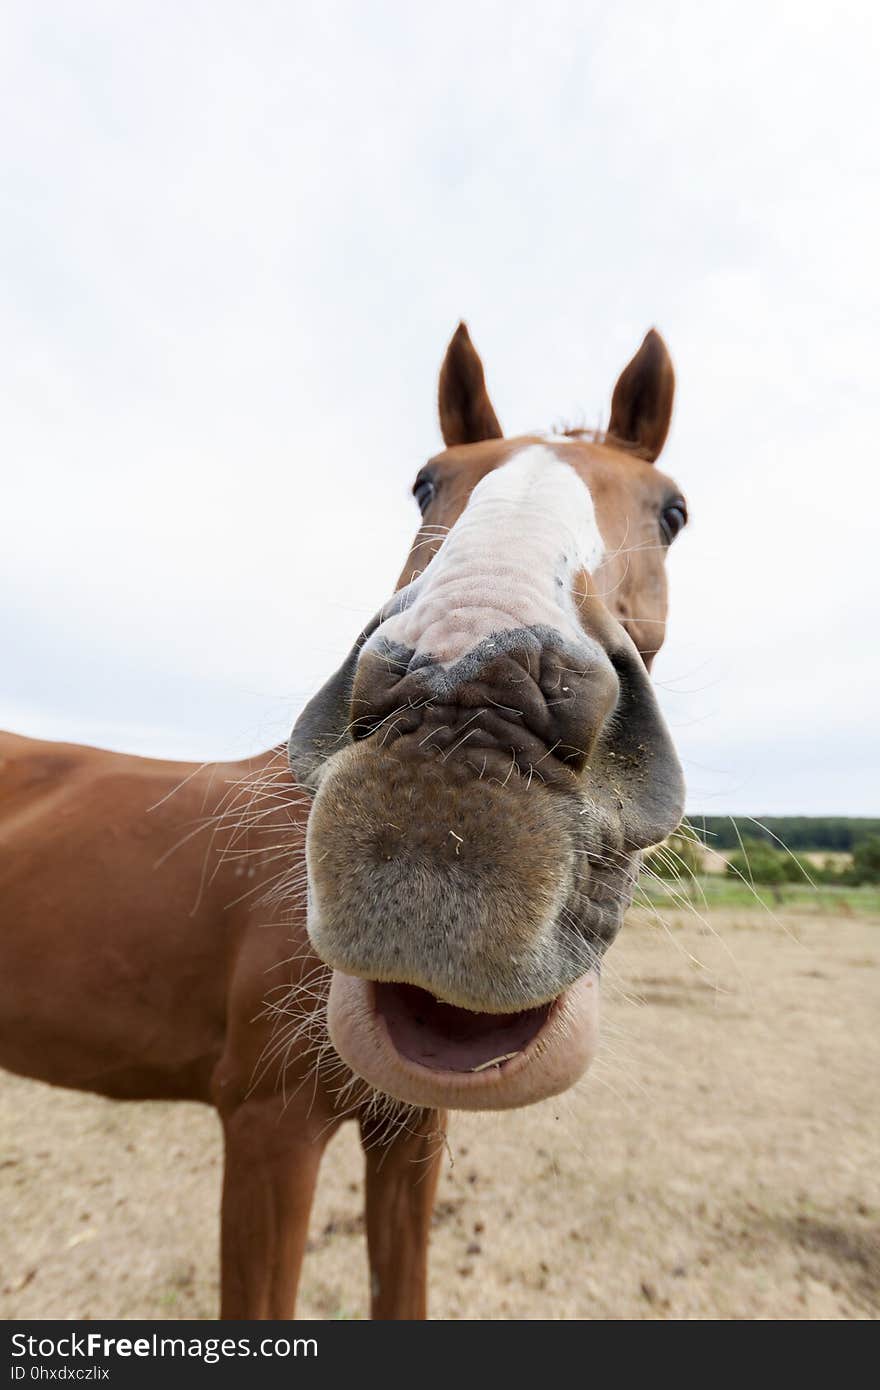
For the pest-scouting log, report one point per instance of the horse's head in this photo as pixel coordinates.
(490, 759)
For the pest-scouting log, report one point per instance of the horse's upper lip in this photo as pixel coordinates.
(432, 1054)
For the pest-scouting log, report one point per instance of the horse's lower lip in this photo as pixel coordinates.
(427, 1053)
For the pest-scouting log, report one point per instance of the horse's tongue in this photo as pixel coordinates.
(446, 1038)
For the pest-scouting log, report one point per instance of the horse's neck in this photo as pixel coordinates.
(253, 811)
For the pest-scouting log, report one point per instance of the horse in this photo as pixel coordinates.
(403, 911)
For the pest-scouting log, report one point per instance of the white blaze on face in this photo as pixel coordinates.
(509, 562)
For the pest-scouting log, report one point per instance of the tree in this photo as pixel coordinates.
(680, 856)
(758, 862)
(866, 861)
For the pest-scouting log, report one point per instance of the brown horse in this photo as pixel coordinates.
(414, 917)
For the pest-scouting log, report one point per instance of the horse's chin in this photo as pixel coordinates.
(409, 1045)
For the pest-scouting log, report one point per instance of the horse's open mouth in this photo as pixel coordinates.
(444, 1037)
(405, 1042)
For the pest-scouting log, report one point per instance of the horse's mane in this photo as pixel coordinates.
(592, 435)
(596, 436)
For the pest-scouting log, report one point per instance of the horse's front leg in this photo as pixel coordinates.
(402, 1175)
(272, 1161)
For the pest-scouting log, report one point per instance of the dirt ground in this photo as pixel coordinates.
(720, 1161)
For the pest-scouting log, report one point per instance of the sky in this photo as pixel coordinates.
(234, 241)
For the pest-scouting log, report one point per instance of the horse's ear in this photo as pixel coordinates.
(466, 414)
(641, 407)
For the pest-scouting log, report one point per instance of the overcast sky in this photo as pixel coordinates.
(234, 240)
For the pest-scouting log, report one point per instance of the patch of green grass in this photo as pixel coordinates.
(720, 890)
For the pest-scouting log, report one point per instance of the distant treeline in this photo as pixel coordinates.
(841, 833)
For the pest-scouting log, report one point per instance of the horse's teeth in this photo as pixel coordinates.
(495, 1061)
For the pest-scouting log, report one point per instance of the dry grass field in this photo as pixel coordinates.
(721, 1160)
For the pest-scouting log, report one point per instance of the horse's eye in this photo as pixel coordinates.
(672, 519)
(424, 491)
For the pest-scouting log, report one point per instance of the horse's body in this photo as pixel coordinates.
(139, 953)
(156, 936)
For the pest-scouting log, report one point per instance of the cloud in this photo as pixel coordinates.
(236, 246)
